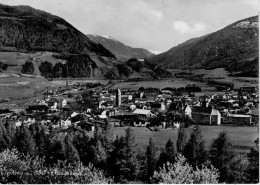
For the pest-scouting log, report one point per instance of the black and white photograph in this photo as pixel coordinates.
(129, 91)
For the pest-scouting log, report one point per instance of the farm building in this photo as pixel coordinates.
(206, 116)
(143, 113)
(237, 119)
(115, 122)
(141, 122)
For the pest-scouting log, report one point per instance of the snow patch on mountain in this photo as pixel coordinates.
(155, 52)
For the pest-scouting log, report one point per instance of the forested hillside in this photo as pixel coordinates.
(235, 48)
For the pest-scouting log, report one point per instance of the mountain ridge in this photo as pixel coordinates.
(121, 51)
(231, 47)
(24, 28)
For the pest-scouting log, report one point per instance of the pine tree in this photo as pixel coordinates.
(82, 143)
(108, 137)
(71, 153)
(24, 141)
(221, 155)
(181, 141)
(194, 150)
(123, 160)
(56, 151)
(167, 155)
(10, 134)
(151, 158)
(170, 151)
(3, 135)
(41, 140)
(253, 169)
(100, 155)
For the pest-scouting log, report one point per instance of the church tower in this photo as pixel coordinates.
(118, 97)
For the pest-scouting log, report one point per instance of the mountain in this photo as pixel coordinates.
(234, 48)
(26, 29)
(121, 51)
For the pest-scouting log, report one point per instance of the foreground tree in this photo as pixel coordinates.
(3, 136)
(194, 150)
(151, 158)
(221, 155)
(238, 167)
(182, 173)
(181, 141)
(123, 161)
(24, 141)
(253, 168)
(71, 153)
(168, 154)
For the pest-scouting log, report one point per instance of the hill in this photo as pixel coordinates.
(234, 48)
(121, 51)
(26, 29)
(36, 36)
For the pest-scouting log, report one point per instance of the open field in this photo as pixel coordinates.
(13, 86)
(71, 81)
(18, 58)
(220, 74)
(174, 82)
(242, 137)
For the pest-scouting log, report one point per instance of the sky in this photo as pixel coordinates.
(156, 25)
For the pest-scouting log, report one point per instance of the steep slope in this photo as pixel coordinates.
(26, 29)
(121, 51)
(234, 47)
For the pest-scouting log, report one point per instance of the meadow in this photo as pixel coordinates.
(241, 137)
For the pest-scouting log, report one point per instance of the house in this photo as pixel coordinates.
(186, 111)
(182, 108)
(237, 119)
(37, 108)
(86, 125)
(115, 122)
(141, 122)
(143, 113)
(63, 103)
(53, 103)
(65, 123)
(206, 116)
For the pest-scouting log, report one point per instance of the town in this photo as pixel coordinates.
(83, 106)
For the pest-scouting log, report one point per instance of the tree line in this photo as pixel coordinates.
(119, 159)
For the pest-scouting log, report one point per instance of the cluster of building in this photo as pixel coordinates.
(85, 108)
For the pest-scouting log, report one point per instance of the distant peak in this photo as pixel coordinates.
(103, 36)
(155, 52)
(108, 37)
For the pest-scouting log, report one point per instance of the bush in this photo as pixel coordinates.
(182, 173)
(25, 170)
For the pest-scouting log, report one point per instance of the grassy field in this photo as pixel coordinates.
(71, 81)
(175, 82)
(19, 59)
(242, 137)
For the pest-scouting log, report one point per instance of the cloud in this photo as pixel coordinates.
(184, 27)
(181, 26)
